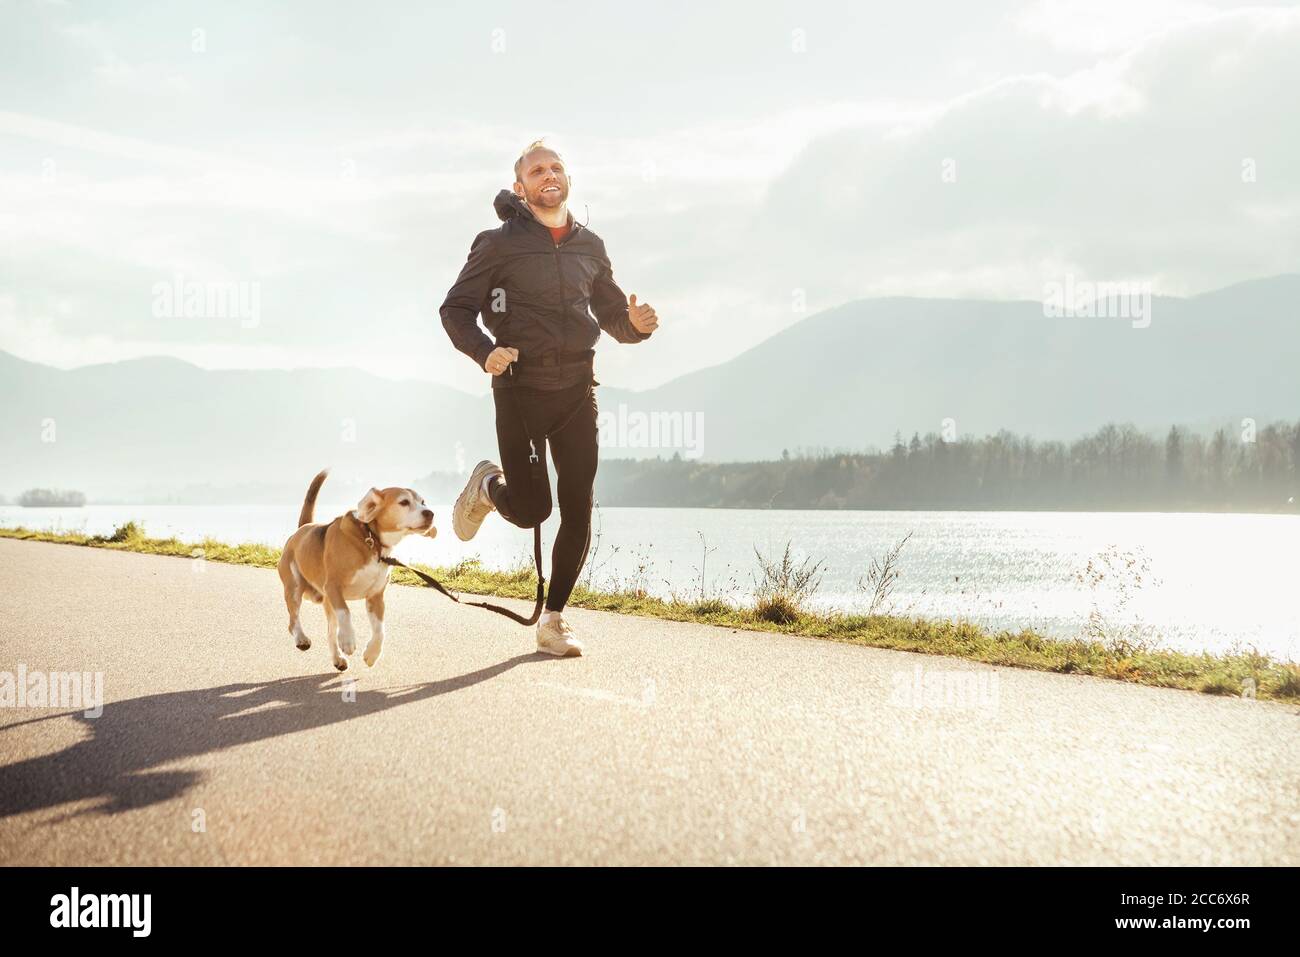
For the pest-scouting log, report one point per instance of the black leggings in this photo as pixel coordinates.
(575, 450)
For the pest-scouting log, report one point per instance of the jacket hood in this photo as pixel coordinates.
(508, 206)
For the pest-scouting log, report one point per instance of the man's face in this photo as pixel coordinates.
(542, 180)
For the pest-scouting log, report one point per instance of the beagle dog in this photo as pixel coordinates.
(340, 562)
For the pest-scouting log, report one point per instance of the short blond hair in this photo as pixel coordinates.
(532, 148)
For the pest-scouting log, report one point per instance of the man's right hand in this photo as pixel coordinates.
(499, 359)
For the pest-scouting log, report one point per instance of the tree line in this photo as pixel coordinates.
(1118, 467)
(50, 498)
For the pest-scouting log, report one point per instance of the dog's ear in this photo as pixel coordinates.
(369, 506)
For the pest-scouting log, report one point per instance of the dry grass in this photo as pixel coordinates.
(781, 608)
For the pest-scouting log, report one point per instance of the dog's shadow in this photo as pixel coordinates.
(114, 763)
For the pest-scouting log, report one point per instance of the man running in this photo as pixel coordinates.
(536, 279)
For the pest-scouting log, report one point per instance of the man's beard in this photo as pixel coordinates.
(548, 200)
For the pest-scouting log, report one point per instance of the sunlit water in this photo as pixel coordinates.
(1215, 582)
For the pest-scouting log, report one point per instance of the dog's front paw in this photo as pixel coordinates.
(303, 643)
(373, 651)
(341, 664)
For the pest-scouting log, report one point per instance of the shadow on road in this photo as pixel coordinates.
(113, 764)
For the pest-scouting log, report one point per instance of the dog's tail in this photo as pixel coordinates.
(308, 512)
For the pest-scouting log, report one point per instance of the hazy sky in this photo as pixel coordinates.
(742, 162)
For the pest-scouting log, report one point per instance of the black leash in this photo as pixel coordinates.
(541, 584)
(537, 476)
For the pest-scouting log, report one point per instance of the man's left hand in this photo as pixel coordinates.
(642, 316)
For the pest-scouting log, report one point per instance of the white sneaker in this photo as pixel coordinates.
(555, 637)
(474, 504)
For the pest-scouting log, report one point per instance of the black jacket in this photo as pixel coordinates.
(536, 296)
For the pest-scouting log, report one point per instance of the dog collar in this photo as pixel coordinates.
(373, 540)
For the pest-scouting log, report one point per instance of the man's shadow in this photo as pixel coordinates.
(113, 763)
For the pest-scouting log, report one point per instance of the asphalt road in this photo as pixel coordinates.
(668, 743)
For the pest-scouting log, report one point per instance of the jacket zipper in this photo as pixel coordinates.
(559, 270)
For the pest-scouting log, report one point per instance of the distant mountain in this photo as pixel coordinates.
(851, 377)
(159, 429)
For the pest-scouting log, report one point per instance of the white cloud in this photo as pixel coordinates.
(1132, 167)
(1106, 26)
(1127, 166)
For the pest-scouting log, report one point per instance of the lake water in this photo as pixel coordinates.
(1211, 582)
